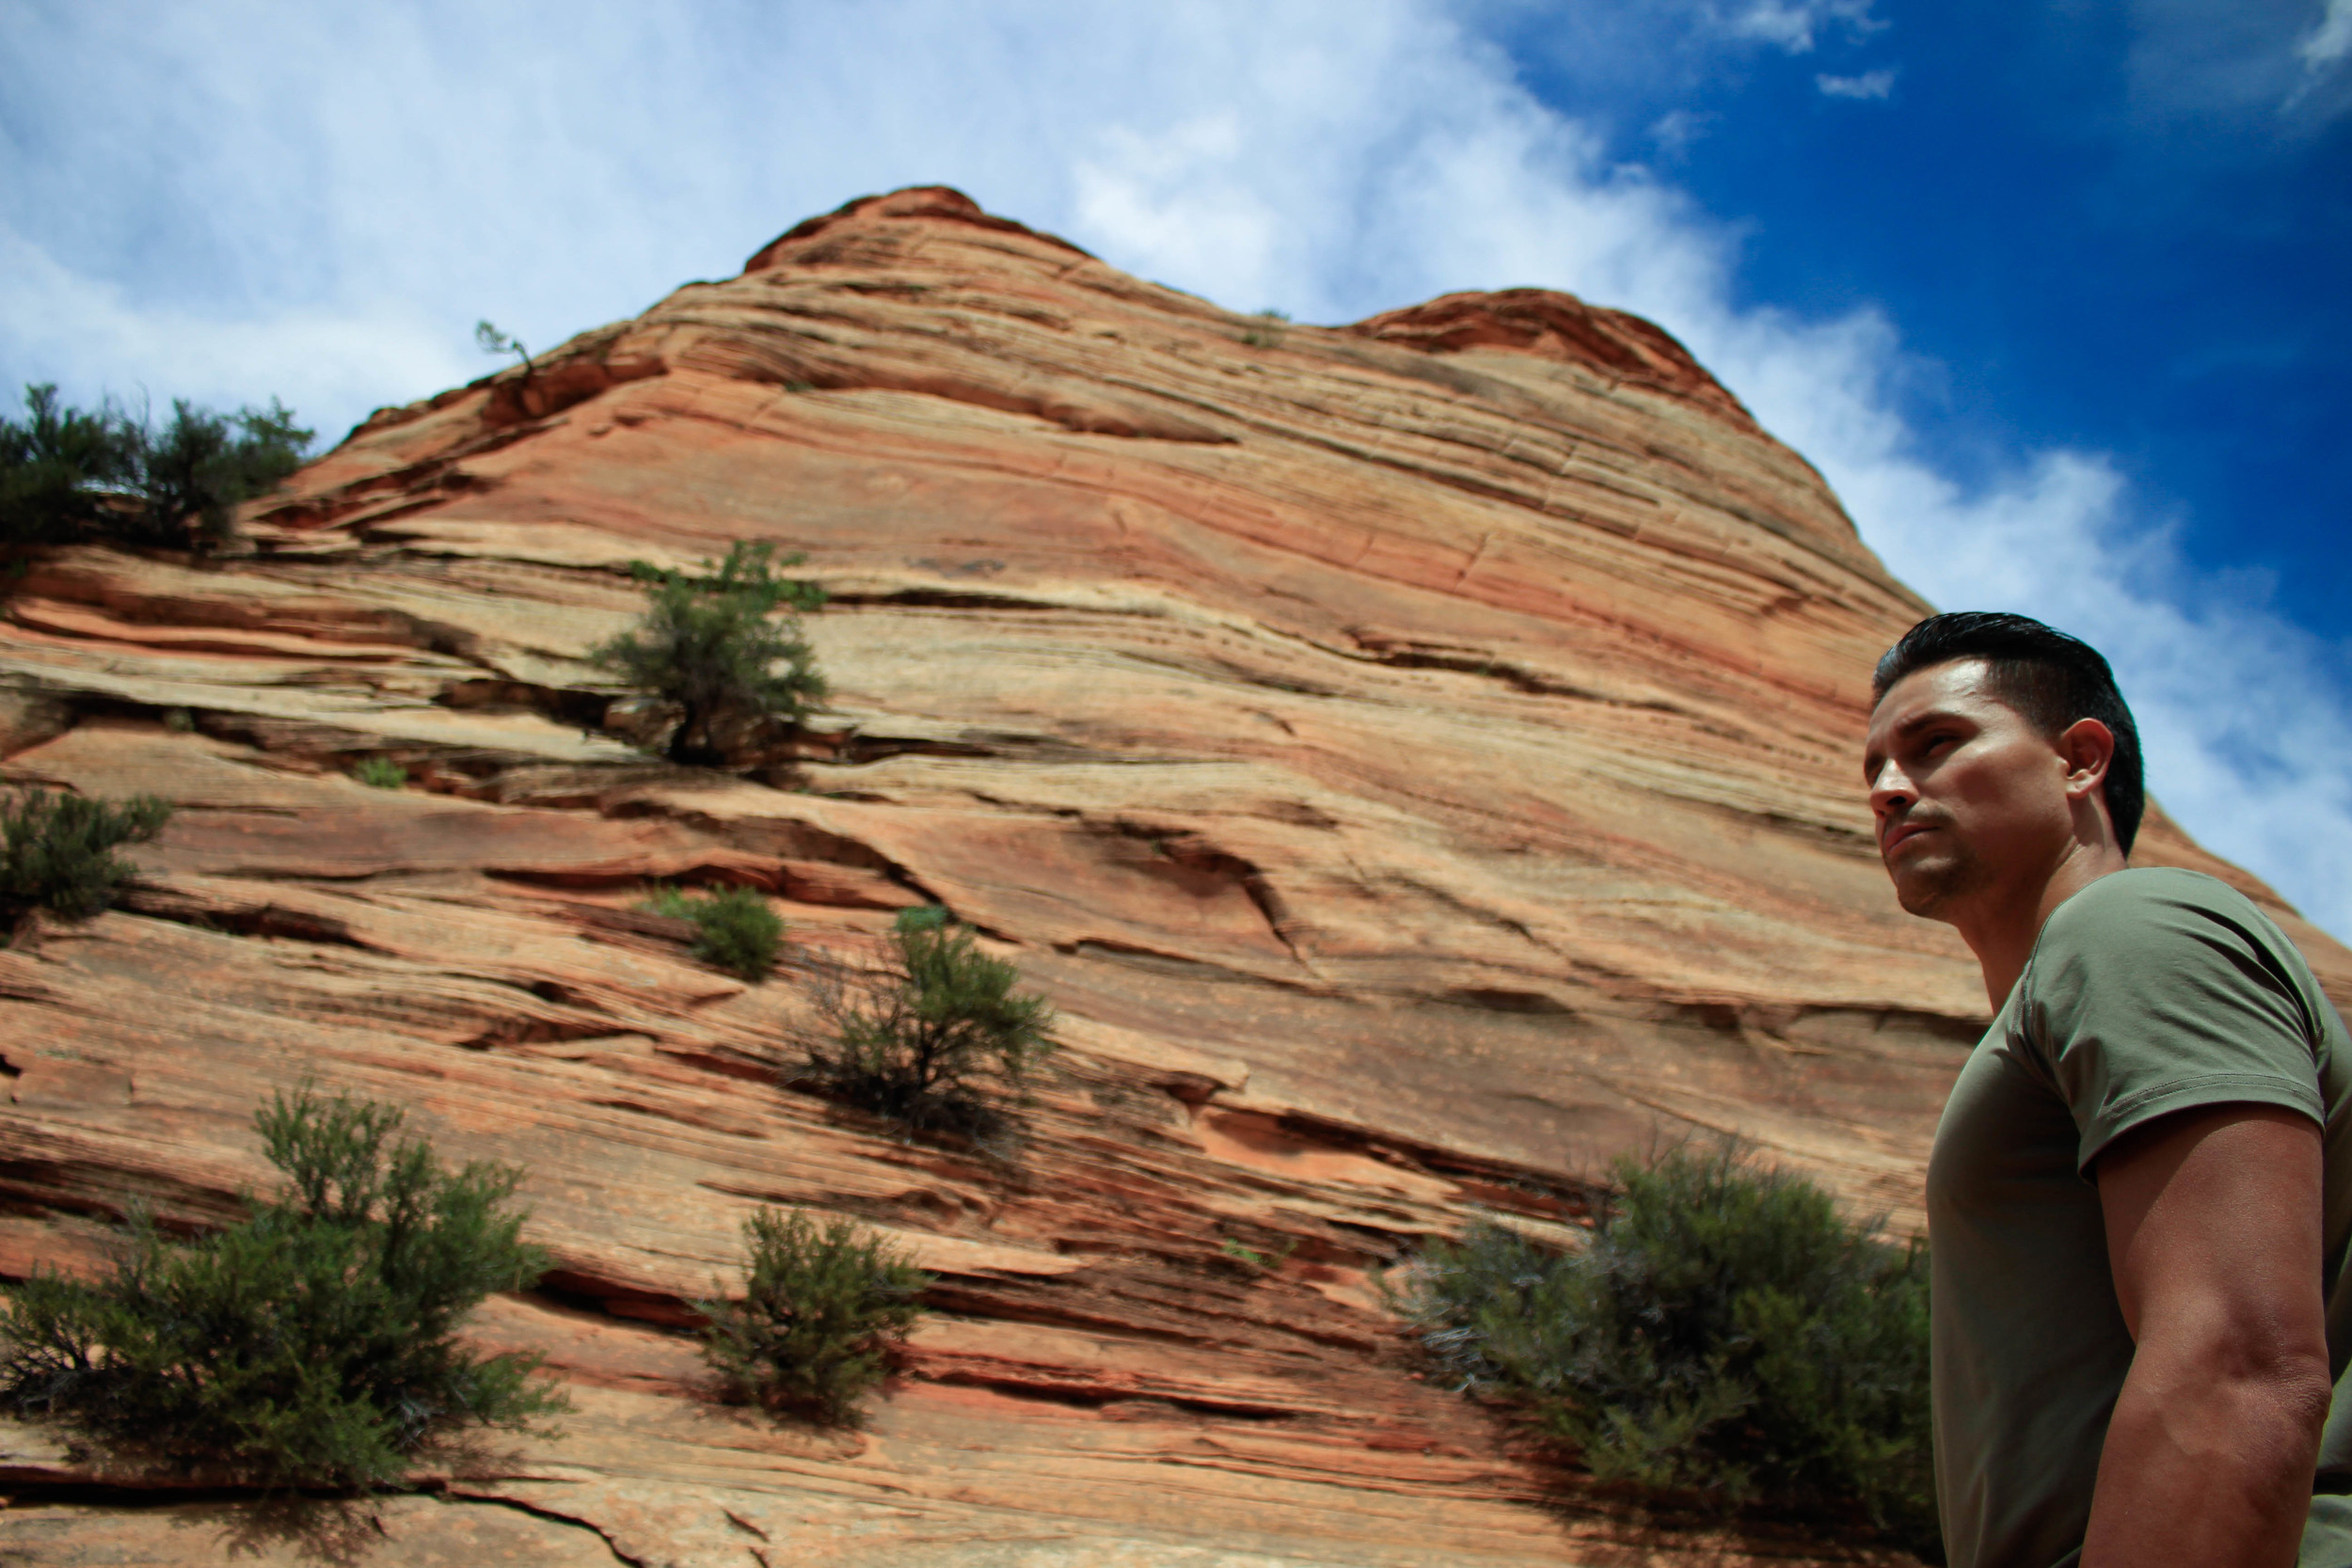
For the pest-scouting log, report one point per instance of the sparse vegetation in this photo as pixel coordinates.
(381, 774)
(57, 852)
(936, 1038)
(724, 648)
(1255, 1260)
(66, 475)
(1725, 1335)
(736, 930)
(311, 1343)
(820, 1311)
(1269, 335)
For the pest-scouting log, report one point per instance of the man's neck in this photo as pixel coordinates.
(2002, 935)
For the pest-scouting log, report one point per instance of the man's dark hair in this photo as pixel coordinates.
(2049, 677)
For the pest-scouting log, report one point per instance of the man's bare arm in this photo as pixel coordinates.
(2213, 1221)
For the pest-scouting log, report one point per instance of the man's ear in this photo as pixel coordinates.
(2088, 746)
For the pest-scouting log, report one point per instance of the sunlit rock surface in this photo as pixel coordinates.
(1418, 759)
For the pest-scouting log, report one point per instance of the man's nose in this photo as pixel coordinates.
(1890, 791)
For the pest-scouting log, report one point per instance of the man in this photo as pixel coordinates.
(2139, 1198)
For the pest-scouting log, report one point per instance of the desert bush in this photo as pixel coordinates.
(67, 475)
(57, 851)
(819, 1312)
(936, 1038)
(715, 647)
(1724, 1334)
(735, 929)
(381, 774)
(313, 1343)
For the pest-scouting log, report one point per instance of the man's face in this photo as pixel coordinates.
(1969, 797)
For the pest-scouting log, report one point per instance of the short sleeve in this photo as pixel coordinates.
(2153, 995)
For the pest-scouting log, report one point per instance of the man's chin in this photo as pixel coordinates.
(1925, 890)
(1925, 902)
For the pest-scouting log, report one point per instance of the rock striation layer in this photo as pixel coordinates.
(1418, 758)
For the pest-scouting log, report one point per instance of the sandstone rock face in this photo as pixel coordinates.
(1418, 759)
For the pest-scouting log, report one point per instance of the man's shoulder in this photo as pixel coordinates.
(2146, 905)
(2139, 936)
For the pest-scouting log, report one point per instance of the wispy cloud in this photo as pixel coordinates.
(1869, 85)
(1674, 132)
(2324, 47)
(2323, 51)
(2237, 81)
(327, 219)
(1796, 25)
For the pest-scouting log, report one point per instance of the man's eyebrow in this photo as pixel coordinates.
(1917, 721)
(1921, 721)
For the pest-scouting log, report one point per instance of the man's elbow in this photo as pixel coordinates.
(2302, 1391)
(2250, 1380)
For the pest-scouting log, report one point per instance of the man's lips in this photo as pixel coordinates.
(1900, 833)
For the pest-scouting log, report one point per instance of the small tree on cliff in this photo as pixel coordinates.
(724, 648)
(67, 474)
(933, 1039)
(491, 340)
(195, 471)
(59, 469)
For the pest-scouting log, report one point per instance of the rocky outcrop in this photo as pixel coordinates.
(1418, 759)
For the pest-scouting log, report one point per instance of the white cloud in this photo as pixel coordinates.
(2323, 51)
(1179, 196)
(325, 220)
(1869, 85)
(2328, 43)
(1795, 26)
(55, 324)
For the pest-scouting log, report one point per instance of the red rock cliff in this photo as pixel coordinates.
(1418, 759)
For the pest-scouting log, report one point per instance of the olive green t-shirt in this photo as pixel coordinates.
(2149, 992)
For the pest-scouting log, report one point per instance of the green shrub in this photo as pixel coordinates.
(820, 1311)
(57, 851)
(735, 929)
(67, 475)
(201, 465)
(935, 1038)
(1725, 1333)
(314, 1342)
(381, 774)
(58, 468)
(709, 646)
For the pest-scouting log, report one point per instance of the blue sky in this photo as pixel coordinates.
(2055, 295)
(2126, 228)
